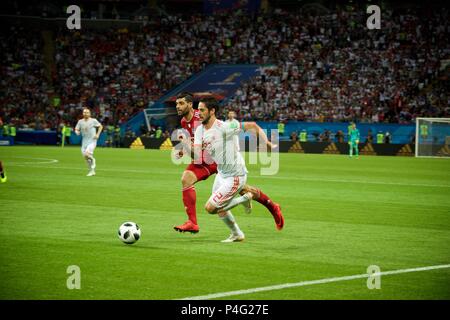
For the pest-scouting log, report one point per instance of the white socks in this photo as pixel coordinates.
(235, 202)
(228, 218)
(91, 163)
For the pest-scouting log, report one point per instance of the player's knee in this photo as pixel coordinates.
(211, 209)
(244, 190)
(187, 179)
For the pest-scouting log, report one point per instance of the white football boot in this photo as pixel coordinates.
(235, 238)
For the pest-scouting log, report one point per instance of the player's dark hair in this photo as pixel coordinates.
(211, 103)
(189, 97)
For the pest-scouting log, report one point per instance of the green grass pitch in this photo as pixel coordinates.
(342, 215)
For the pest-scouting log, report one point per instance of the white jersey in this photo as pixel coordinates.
(88, 130)
(219, 141)
(236, 137)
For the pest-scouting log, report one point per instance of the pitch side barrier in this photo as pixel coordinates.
(382, 149)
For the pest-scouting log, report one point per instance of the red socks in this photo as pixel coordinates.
(265, 200)
(189, 200)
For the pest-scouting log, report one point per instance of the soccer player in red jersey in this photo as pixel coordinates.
(198, 172)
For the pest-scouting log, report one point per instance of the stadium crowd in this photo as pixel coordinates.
(329, 69)
(316, 68)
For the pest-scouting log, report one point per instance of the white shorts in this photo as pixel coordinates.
(224, 189)
(89, 148)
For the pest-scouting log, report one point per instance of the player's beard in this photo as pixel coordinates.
(183, 113)
(206, 120)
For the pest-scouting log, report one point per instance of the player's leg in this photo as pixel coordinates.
(189, 196)
(3, 177)
(83, 152)
(223, 191)
(190, 177)
(89, 156)
(236, 233)
(244, 199)
(89, 164)
(90, 151)
(273, 207)
(350, 144)
(357, 149)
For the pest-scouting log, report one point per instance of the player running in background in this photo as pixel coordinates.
(354, 140)
(90, 130)
(3, 177)
(198, 172)
(217, 138)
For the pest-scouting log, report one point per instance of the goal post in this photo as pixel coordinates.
(432, 137)
(157, 114)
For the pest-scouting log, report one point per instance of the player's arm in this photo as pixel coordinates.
(195, 149)
(187, 147)
(77, 129)
(99, 131)
(253, 126)
(185, 143)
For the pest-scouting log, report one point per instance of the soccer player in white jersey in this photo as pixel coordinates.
(217, 138)
(90, 130)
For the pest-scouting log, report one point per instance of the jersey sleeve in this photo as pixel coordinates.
(96, 123)
(232, 128)
(78, 127)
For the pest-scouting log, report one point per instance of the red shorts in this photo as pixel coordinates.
(202, 171)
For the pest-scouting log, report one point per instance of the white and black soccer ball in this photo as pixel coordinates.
(129, 232)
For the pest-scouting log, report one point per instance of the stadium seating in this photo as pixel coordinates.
(317, 68)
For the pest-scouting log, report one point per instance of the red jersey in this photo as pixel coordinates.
(190, 126)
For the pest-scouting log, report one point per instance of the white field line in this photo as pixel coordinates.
(22, 164)
(312, 282)
(40, 161)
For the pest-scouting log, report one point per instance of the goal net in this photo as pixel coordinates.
(433, 137)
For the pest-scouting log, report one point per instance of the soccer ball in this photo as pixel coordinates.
(129, 232)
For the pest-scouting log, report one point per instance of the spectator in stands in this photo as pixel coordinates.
(316, 68)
